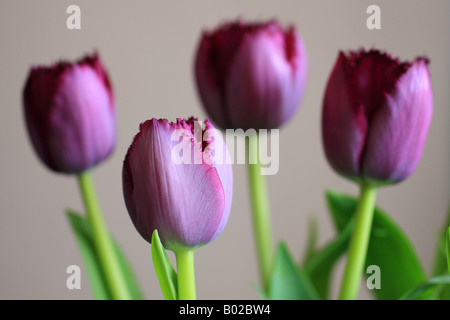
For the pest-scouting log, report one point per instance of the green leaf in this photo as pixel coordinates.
(321, 265)
(262, 294)
(166, 274)
(312, 239)
(287, 281)
(389, 248)
(427, 289)
(128, 273)
(83, 234)
(448, 248)
(440, 260)
(440, 265)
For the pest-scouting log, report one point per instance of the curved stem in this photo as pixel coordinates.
(359, 243)
(102, 241)
(186, 274)
(260, 212)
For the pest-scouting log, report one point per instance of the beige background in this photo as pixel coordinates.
(148, 49)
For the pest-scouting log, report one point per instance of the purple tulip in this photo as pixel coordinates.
(70, 114)
(376, 115)
(187, 203)
(251, 75)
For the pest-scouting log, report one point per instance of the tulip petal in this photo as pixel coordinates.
(184, 202)
(400, 126)
(70, 114)
(297, 57)
(207, 83)
(39, 90)
(251, 75)
(260, 89)
(224, 168)
(89, 112)
(344, 125)
(374, 73)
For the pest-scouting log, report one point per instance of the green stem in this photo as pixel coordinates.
(260, 212)
(186, 274)
(102, 241)
(359, 243)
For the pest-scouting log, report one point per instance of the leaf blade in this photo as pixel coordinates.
(287, 281)
(311, 244)
(128, 273)
(83, 236)
(319, 268)
(447, 245)
(83, 233)
(427, 288)
(166, 274)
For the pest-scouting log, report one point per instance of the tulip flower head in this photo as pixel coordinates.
(188, 203)
(70, 114)
(251, 75)
(376, 115)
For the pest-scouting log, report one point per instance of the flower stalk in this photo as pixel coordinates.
(102, 241)
(359, 243)
(186, 275)
(260, 212)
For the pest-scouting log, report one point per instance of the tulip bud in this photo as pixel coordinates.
(251, 75)
(70, 114)
(376, 115)
(189, 202)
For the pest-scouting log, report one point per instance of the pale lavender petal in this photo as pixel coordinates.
(82, 125)
(399, 130)
(224, 168)
(184, 202)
